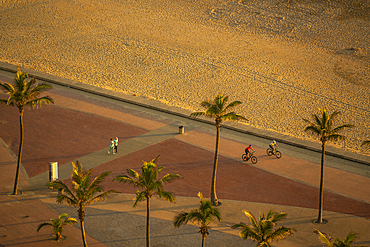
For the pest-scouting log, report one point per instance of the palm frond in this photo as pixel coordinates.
(84, 181)
(39, 88)
(339, 128)
(62, 198)
(307, 121)
(28, 87)
(19, 80)
(231, 116)
(180, 219)
(168, 196)
(336, 137)
(168, 178)
(216, 213)
(239, 117)
(77, 172)
(99, 179)
(155, 186)
(63, 215)
(278, 217)
(218, 109)
(247, 232)
(319, 121)
(140, 196)
(155, 159)
(350, 238)
(213, 111)
(133, 173)
(264, 244)
(323, 127)
(270, 215)
(323, 238)
(67, 194)
(263, 230)
(334, 115)
(42, 225)
(37, 102)
(3, 102)
(220, 101)
(251, 218)
(313, 129)
(365, 143)
(102, 196)
(7, 88)
(281, 233)
(202, 216)
(205, 104)
(70, 221)
(24, 94)
(197, 216)
(232, 105)
(200, 195)
(128, 180)
(157, 171)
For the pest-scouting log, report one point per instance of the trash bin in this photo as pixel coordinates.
(53, 171)
(181, 130)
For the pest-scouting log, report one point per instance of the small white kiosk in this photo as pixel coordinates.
(53, 171)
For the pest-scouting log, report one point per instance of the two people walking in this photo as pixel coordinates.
(113, 148)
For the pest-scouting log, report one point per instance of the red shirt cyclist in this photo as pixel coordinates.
(248, 151)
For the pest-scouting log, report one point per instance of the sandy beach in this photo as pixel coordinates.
(282, 58)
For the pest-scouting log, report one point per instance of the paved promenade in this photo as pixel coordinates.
(79, 127)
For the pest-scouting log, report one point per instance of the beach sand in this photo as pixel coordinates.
(283, 59)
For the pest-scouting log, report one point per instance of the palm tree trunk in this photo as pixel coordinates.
(321, 197)
(19, 153)
(83, 232)
(81, 216)
(148, 221)
(213, 189)
(203, 239)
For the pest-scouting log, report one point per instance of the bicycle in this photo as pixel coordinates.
(252, 158)
(276, 153)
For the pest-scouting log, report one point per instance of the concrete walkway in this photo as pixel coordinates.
(79, 126)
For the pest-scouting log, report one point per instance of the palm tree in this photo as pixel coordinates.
(58, 224)
(203, 216)
(24, 94)
(263, 230)
(347, 242)
(219, 110)
(323, 128)
(84, 193)
(150, 186)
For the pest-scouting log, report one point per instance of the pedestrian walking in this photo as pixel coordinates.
(116, 144)
(111, 147)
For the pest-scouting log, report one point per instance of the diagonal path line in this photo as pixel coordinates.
(100, 157)
(15, 158)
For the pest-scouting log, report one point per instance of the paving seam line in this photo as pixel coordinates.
(188, 117)
(15, 158)
(99, 115)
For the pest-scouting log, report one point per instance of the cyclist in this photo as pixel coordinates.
(248, 151)
(272, 145)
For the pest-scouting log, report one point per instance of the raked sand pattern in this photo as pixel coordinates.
(282, 58)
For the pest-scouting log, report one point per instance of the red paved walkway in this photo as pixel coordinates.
(56, 133)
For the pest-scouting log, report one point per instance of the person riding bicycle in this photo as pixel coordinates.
(248, 151)
(272, 145)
